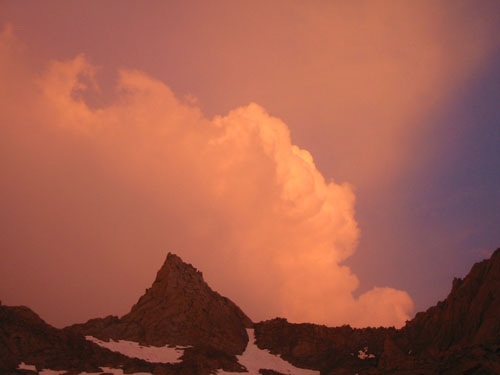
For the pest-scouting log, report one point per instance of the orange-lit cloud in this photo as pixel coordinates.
(356, 80)
(96, 197)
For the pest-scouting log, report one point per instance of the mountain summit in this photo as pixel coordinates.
(179, 309)
(180, 314)
(460, 335)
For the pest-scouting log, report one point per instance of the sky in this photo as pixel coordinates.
(327, 162)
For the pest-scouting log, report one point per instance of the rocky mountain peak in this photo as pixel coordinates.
(460, 335)
(469, 315)
(174, 276)
(178, 309)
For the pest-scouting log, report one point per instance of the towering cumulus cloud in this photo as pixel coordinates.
(97, 195)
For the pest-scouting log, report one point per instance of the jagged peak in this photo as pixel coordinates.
(179, 308)
(173, 261)
(175, 274)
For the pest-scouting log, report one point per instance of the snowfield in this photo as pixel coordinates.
(24, 366)
(252, 358)
(156, 354)
(255, 359)
(51, 372)
(363, 354)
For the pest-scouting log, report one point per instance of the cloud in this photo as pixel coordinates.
(97, 196)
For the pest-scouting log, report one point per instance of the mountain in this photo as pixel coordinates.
(460, 335)
(181, 326)
(470, 315)
(179, 309)
(25, 337)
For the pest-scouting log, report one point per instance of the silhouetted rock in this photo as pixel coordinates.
(265, 371)
(321, 348)
(25, 337)
(470, 315)
(179, 309)
(460, 335)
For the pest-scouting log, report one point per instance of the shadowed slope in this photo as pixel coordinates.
(25, 337)
(179, 309)
(470, 315)
(459, 335)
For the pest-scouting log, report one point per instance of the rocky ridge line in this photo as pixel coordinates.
(460, 335)
(178, 309)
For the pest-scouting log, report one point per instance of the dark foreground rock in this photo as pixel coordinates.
(25, 337)
(460, 335)
(319, 347)
(180, 309)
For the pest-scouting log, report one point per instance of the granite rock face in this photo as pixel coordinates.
(460, 335)
(179, 309)
(25, 337)
(319, 347)
(470, 315)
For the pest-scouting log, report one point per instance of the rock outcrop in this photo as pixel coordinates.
(470, 315)
(179, 309)
(460, 335)
(319, 347)
(25, 337)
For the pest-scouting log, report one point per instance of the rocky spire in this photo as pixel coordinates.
(179, 309)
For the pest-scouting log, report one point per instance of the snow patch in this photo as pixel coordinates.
(155, 354)
(363, 354)
(255, 359)
(24, 366)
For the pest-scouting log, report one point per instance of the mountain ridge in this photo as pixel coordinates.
(178, 309)
(459, 335)
(439, 339)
